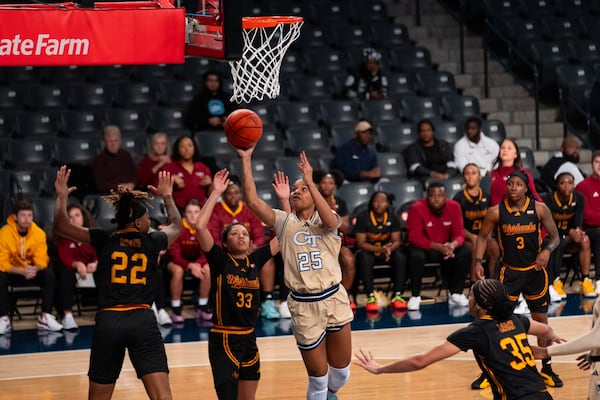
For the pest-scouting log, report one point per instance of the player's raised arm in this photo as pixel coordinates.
(165, 190)
(262, 210)
(220, 183)
(62, 225)
(331, 221)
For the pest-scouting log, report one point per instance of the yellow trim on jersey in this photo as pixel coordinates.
(471, 199)
(187, 226)
(218, 296)
(561, 205)
(522, 209)
(493, 378)
(231, 212)
(251, 362)
(232, 330)
(127, 230)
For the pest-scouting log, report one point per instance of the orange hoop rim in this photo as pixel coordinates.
(268, 21)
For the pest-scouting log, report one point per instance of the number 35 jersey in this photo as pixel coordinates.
(503, 353)
(127, 265)
(310, 253)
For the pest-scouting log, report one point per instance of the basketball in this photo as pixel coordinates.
(243, 128)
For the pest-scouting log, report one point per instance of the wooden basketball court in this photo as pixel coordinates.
(62, 375)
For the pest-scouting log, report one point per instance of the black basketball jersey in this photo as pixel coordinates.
(503, 353)
(235, 290)
(127, 265)
(474, 209)
(568, 215)
(378, 232)
(519, 233)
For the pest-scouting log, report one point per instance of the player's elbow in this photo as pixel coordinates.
(417, 362)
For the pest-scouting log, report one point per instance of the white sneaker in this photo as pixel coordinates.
(522, 308)
(284, 310)
(48, 322)
(69, 323)
(414, 303)
(5, 325)
(554, 296)
(457, 311)
(598, 286)
(458, 299)
(162, 317)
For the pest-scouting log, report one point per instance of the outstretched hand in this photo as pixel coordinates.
(165, 184)
(305, 168)
(221, 181)
(367, 361)
(281, 185)
(61, 183)
(245, 153)
(583, 362)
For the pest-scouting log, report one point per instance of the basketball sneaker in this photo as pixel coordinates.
(268, 311)
(554, 296)
(204, 313)
(414, 303)
(550, 378)
(458, 299)
(372, 305)
(69, 323)
(284, 310)
(48, 322)
(176, 317)
(586, 289)
(163, 318)
(398, 303)
(353, 306)
(480, 383)
(559, 288)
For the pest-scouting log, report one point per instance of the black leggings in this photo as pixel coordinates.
(365, 261)
(44, 278)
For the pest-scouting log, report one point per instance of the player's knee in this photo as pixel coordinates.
(338, 377)
(317, 387)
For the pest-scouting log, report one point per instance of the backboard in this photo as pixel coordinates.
(214, 29)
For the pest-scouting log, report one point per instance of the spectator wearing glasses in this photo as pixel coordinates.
(357, 159)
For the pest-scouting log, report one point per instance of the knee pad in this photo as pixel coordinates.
(338, 378)
(317, 388)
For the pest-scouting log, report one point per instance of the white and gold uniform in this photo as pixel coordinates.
(317, 302)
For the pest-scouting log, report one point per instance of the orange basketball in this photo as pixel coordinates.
(243, 128)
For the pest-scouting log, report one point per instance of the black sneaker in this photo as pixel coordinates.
(551, 379)
(480, 383)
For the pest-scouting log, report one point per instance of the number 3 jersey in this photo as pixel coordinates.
(519, 233)
(127, 265)
(310, 253)
(503, 354)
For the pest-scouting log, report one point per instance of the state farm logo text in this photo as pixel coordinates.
(44, 45)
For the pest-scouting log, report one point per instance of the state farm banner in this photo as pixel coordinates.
(111, 33)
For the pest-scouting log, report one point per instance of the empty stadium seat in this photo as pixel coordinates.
(270, 144)
(401, 85)
(81, 122)
(448, 131)
(12, 98)
(341, 133)
(337, 111)
(70, 73)
(434, 83)
(310, 88)
(29, 153)
(90, 95)
(392, 165)
(355, 193)
(262, 169)
(166, 119)
(294, 113)
(289, 166)
(104, 73)
(43, 212)
(134, 94)
(390, 35)
(406, 59)
(377, 111)
(76, 150)
(313, 140)
(152, 72)
(175, 92)
(528, 160)
(415, 108)
(127, 120)
(26, 183)
(211, 143)
(7, 124)
(457, 108)
(36, 123)
(395, 137)
(404, 190)
(47, 97)
(324, 61)
(494, 128)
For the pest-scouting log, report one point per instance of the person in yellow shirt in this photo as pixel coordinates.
(24, 260)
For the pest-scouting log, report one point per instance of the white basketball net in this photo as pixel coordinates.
(256, 74)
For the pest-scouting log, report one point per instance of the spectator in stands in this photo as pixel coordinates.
(157, 157)
(377, 232)
(590, 189)
(429, 157)
(114, 166)
(564, 161)
(474, 203)
(185, 254)
(369, 83)
(436, 234)
(567, 207)
(475, 148)
(355, 158)
(77, 259)
(328, 182)
(509, 159)
(192, 178)
(209, 108)
(232, 210)
(24, 261)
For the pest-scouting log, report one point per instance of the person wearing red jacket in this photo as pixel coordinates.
(185, 254)
(233, 210)
(590, 188)
(76, 258)
(436, 234)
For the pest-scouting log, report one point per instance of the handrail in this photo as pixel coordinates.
(534, 71)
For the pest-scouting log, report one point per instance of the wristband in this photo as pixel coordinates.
(549, 248)
(478, 261)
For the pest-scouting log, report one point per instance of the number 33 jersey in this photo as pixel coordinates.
(503, 353)
(310, 253)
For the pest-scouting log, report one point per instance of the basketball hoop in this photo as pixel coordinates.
(266, 39)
